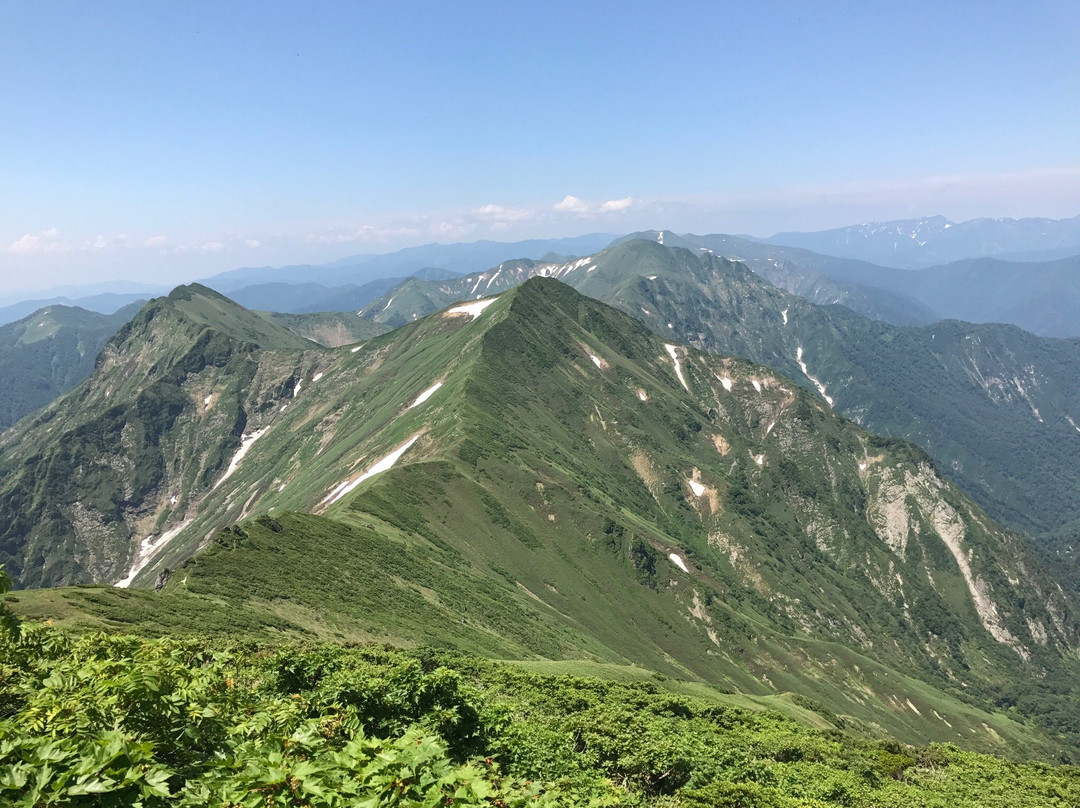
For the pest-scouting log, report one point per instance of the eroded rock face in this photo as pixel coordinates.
(901, 501)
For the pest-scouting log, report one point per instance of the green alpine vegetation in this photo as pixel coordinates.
(112, 720)
(48, 352)
(996, 407)
(535, 476)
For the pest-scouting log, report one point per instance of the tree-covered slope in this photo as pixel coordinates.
(49, 352)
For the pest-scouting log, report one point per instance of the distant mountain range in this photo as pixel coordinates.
(452, 258)
(920, 243)
(102, 303)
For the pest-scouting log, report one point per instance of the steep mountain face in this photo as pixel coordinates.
(126, 453)
(995, 406)
(48, 352)
(539, 474)
(917, 243)
(54, 349)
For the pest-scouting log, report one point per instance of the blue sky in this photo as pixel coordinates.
(168, 141)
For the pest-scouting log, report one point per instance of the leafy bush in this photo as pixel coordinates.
(104, 720)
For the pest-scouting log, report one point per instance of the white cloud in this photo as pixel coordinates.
(252, 243)
(212, 246)
(155, 241)
(41, 242)
(99, 243)
(571, 204)
(617, 205)
(584, 208)
(500, 214)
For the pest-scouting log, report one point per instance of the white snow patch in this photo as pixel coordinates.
(645, 311)
(388, 304)
(596, 360)
(173, 500)
(384, 464)
(296, 389)
(281, 488)
(757, 384)
(759, 459)
(769, 428)
(784, 315)
(660, 238)
(669, 325)
(642, 395)
(148, 548)
(478, 282)
(357, 348)
(1072, 423)
(806, 373)
(652, 277)
(678, 367)
(676, 559)
(208, 401)
(724, 380)
(696, 487)
(493, 277)
(474, 310)
(1023, 392)
(862, 467)
(316, 377)
(246, 442)
(590, 269)
(424, 396)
